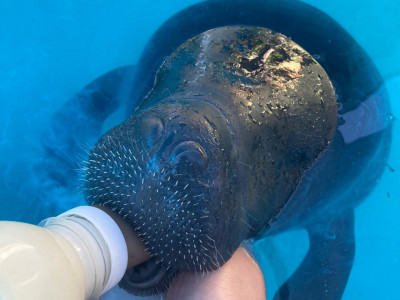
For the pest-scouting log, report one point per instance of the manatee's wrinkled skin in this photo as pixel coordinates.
(214, 152)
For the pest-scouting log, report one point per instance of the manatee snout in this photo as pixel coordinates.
(170, 171)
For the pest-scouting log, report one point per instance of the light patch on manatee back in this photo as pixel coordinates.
(267, 54)
(279, 66)
(293, 68)
(283, 75)
(201, 66)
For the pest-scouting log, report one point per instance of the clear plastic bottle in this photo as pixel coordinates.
(78, 255)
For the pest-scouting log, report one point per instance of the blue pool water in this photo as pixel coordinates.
(49, 50)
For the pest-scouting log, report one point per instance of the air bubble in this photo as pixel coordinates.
(390, 117)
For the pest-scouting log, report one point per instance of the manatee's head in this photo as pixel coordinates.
(170, 171)
(215, 150)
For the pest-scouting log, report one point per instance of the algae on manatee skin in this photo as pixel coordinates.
(278, 56)
(258, 50)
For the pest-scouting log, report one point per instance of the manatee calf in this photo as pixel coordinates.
(231, 134)
(215, 150)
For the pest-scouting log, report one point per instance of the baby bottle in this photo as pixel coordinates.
(79, 254)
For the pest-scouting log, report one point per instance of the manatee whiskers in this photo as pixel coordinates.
(81, 166)
(247, 224)
(248, 214)
(109, 173)
(242, 163)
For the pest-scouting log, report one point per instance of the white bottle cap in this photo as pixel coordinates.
(112, 236)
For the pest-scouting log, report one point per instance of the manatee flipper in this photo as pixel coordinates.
(324, 272)
(76, 124)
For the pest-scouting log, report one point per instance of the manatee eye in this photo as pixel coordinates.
(152, 131)
(191, 153)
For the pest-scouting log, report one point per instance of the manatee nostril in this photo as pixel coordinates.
(152, 130)
(190, 152)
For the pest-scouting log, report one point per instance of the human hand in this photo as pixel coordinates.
(239, 278)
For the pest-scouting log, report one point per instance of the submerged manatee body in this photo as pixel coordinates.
(216, 149)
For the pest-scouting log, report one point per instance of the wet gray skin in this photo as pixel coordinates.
(215, 150)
